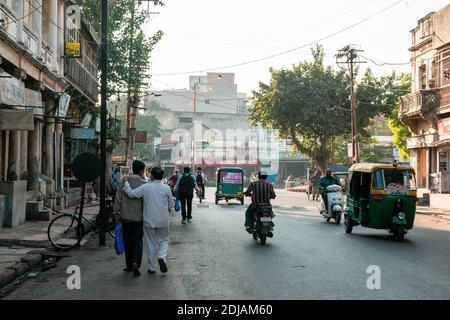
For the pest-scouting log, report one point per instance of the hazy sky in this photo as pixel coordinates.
(206, 34)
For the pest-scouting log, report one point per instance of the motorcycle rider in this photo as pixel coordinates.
(261, 192)
(326, 181)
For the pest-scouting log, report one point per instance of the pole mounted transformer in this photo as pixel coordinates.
(346, 59)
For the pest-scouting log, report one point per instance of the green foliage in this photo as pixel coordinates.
(304, 103)
(399, 130)
(309, 104)
(125, 39)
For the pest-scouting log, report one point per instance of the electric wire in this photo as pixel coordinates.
(286, 51)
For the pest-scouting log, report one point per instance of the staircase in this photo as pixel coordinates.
(35, 211)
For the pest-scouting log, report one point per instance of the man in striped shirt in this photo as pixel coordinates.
(261, 192)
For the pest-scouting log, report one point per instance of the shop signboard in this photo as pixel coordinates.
(14, 93)
(82, 133)
(444, 126)
(140, 137)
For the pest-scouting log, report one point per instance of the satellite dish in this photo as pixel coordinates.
(86, 167)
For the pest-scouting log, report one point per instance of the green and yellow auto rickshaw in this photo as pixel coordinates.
(230, 184)
(381, 196)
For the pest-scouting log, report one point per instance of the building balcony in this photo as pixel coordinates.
(77, 75)
(420, 105)
(444, 106)
(422, 141)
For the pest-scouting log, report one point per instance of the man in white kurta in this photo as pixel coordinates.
(158, 201)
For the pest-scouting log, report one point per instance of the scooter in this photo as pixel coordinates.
(262, 226)
(334, 210)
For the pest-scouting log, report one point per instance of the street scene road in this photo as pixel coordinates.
(320, 131)
(214, 258)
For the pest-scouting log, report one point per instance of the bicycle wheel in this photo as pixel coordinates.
(63, 232)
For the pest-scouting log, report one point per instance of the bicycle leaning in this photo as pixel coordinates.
(66, 230)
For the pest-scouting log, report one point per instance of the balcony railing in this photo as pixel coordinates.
(445, 97)
(75, 71)
(419, 103)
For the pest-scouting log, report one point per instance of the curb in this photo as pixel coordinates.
(294, 190)
(27, 262)
(434, 213)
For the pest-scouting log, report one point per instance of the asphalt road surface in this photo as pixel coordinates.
(214, 258)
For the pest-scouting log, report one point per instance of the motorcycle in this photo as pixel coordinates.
(334, 210)
(262, 225)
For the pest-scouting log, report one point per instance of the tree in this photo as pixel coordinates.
(129, 50)
(307, 104)
(125, 36)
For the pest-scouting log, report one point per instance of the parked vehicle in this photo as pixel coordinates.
(334, 208)
(230, 184)
(381, 196)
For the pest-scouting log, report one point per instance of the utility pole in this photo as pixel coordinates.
(103, 111)
(130, 135)
(131, 94)
(193, 125)
(348, 58)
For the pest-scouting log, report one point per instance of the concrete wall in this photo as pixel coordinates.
(15, 202)
(440, 201)
(441, 21)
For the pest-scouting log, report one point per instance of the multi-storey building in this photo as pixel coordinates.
(426, 110)
(214, 114)
(42, 86)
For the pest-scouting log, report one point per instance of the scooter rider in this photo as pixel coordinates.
(326, 181)
(261, 192)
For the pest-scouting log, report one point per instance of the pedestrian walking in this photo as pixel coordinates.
(200, 178)
(172, 181)
(185, 192)
(129, 212)
(158, 201)
(315, 181)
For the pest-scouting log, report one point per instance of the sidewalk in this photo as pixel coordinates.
(445, 214)
(297, 189)
(25, 247)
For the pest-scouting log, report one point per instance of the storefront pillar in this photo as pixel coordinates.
(14, 151)
(23, 151)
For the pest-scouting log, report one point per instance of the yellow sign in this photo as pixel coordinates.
(72, 50)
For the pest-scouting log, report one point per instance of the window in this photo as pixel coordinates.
(185, 120)
(394, 179)
(442, 161)
(378, 182)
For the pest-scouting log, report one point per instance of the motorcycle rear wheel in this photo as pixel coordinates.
(262, 239)
(338, 219)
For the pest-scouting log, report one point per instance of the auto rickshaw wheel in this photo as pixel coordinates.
(217, 200)
(242, 201)
(348, 225)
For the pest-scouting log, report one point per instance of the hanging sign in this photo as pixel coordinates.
(72, 50)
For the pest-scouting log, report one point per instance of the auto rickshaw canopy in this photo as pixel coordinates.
(371, 167)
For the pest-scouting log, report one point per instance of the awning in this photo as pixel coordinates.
(16, 119)
(442, 143)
